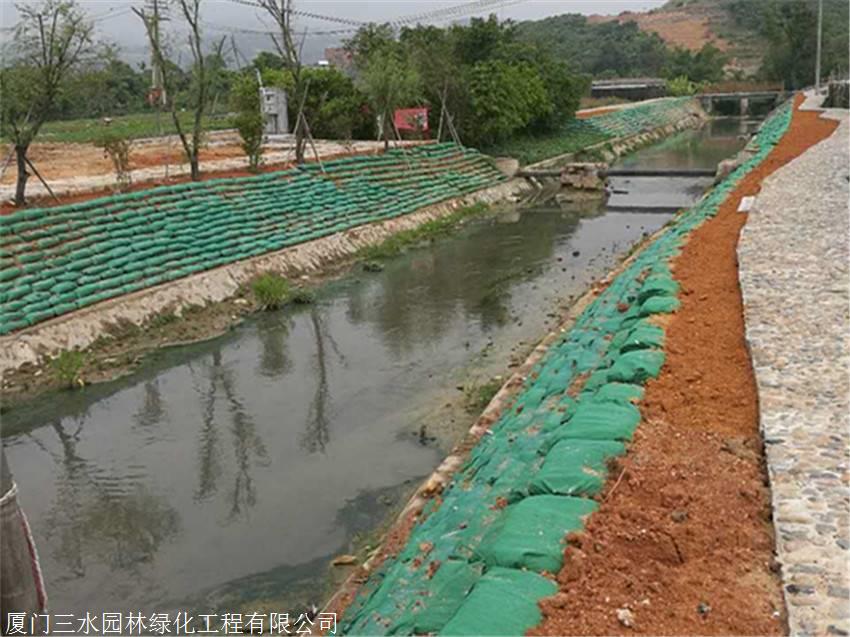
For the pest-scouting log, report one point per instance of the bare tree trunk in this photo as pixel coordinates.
(194, 167)
(23, 175)
(385, 130)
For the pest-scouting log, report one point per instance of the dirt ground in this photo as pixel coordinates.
(683, 541)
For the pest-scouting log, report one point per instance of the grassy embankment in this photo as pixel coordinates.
(138, 125)
(528, 149)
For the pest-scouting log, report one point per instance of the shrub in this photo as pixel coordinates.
(302, 296)
(272, 290)
(117, 148)
(68, 367)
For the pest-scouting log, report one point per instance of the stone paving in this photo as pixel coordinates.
(794, 277)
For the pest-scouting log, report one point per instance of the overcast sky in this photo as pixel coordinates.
(116, 23)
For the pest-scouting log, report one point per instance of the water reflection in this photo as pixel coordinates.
(248, 447)
(103, 517)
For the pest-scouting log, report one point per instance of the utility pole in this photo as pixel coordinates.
(818, 53)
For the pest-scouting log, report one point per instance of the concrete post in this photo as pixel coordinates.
(745, 106)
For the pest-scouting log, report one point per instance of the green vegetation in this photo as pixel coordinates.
(136, 126)
(478, 396)
(493, 85)
(428, 231)
(680, 86)
(302, 296)
(245, 99)
(789, 26)
(271, 290)
(118, 150)
(604, 49)
(68, 366)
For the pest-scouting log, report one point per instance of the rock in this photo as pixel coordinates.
(679, 516)
(625, 617)
(344, 560)
(703, 609)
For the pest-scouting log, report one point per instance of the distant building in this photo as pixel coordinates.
(339, 58)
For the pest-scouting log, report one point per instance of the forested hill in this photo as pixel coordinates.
(756, 36)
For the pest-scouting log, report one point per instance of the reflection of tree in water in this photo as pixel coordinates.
(472, 275)
(317, 434)
(110, 518)
(152, 410)
(248, 447)
(274, 359)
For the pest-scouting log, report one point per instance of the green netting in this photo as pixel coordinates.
(503, 602)
(575, 467)
(185, 228)
(599, 420)
(530, 534)
(636, 366)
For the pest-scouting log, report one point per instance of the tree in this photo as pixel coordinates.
(504, 99)
(289, 51)
(245, 100)
(790, 29)
(201, 77)
(334, 107)
(50, 41)
(389, 82)
(704, 66)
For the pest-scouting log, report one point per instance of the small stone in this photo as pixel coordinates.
(625, 617)
(838, 591)
(679, 516)
(703, 609)
(344, 560)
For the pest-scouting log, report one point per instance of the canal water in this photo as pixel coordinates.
(228, 474)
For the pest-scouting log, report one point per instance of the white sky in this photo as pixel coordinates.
(117, 24)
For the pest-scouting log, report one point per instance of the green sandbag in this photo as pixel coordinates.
(503, 602)
(659, 305)
(643, 335)
(446, 592)
(575, 467)
(636, 366)
(530, 533)
(658, 285)
(618, 393)
(598, 421)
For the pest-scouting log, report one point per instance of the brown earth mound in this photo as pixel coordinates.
(683, 541)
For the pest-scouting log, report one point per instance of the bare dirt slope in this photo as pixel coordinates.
(692, 25)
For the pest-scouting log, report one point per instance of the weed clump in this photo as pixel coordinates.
(478, 396)
(302, 296)
(68, 367)
(428, 231)
(271, 290)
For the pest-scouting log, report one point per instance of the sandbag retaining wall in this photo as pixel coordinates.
(476, 560)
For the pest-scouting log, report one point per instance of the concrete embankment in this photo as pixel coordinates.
(474, 551)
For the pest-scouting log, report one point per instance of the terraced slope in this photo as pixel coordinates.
(57, 260)
(476, 563)
(581, 133)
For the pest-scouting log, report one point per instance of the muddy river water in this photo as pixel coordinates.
(229, 473)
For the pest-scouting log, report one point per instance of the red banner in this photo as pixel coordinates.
(411, 119)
